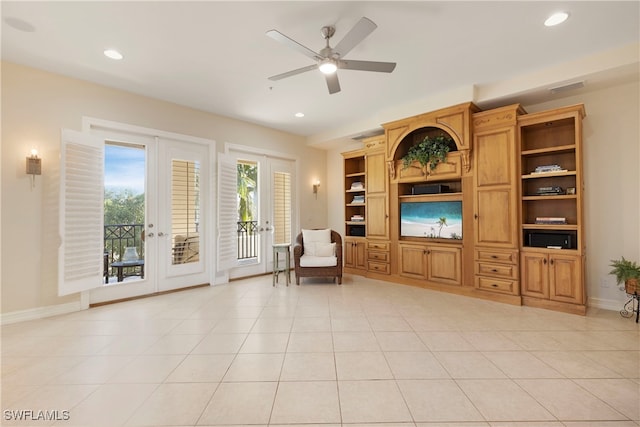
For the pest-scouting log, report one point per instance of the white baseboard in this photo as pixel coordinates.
(606, 304)
(39, 312)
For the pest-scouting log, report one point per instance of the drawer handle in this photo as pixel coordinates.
(494, 285)
(494, 256)
(495, 270)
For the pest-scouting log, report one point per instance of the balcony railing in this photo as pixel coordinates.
(119, 237)
(248, 239)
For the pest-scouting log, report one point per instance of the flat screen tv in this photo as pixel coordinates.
(435, 220)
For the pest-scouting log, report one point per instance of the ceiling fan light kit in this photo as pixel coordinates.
(329, 59)
(328, 66)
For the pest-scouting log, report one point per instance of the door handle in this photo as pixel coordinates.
(150, 235)
(160, 234)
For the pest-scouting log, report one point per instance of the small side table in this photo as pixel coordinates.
(121, 265)
(277, 250)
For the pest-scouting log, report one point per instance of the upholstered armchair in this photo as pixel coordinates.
(318, 253)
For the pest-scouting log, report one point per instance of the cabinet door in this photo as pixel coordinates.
(360, 255)
(565, 278)
(349, 253)
(444, 265)
(495, 157)
(376, 173)
(412, 261)
(495, 178)
(377, 217)
(495, 218)
(355, 253)
(534, 274)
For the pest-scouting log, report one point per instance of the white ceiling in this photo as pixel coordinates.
(215, 56)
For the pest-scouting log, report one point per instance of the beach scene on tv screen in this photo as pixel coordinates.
(437, 220)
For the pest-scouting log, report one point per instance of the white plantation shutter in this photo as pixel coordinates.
(227, 212)
(281, 207)
(80, 256)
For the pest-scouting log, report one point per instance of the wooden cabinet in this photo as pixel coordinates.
(435, 263)
(495, 179)
(378, 257)
(552, 276)
(551, 180)
(355, 193)
(377, 199)
(496, 270)
(501, 218)
(355, 256)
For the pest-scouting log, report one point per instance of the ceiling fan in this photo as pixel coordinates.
(329, 59)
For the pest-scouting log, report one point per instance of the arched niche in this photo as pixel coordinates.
(454, 121)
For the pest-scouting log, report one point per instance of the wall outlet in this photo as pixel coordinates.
(607, 281)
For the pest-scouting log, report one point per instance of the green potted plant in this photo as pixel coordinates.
(627, 272)
(431, 150)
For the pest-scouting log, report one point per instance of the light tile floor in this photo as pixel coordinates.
(364, 353)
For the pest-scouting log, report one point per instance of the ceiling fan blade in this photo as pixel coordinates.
(293, 72)
(332, 83)
(380, 67)
(279, 37)
(362, 29)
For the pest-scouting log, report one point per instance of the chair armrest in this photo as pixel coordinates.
(339, 253)
(297, 251)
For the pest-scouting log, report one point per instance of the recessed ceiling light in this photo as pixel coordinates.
(299, 114)
(113, 54)
(556, 18)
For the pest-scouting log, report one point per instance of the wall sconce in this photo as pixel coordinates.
(34, 166)
(316, 185)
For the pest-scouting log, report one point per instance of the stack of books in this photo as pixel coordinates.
(548, 169)
(357, 185)
(550, 220)
(358, 199)
(357, 218)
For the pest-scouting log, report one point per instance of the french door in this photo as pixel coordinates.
(273, 218)
(175, 230)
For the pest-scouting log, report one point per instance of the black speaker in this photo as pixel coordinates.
(430, 189)
(545, 240)
(356, 230)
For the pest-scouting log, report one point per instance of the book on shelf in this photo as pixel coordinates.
(357, 218)
(550, 220)
(358, 199)
(548, 169)
(357, 185)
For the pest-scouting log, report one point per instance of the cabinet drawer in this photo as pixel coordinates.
(378, 256)
(509, 257)
(377, 246)
(378, 267)
(497, 285)
(496, 270)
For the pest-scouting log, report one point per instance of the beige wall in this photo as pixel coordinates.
(612, 183)
(36, 105)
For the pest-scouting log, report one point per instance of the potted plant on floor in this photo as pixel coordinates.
(627, 272)
(431, 150)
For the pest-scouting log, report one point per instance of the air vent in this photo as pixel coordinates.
(567, 87)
